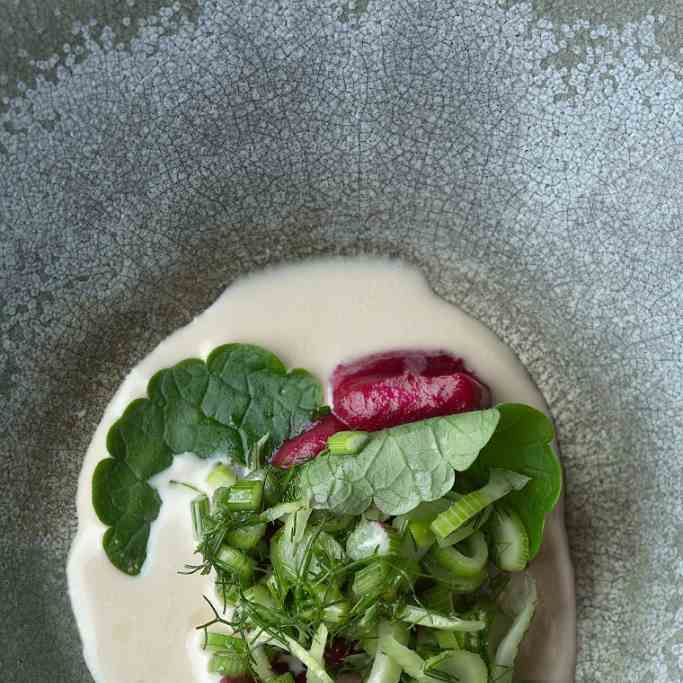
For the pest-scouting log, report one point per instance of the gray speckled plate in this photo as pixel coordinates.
(528, 158)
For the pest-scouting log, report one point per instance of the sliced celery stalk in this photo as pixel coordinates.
(261, 664)
(200, 510)
(475, 524)
(423, 617)
(277, 511)
(235, 562)
(467, 560)
(221, 475)
(509, 539)
(317, 652)
(244, 496)
(422, 535)
(245, 537)
(384, 668)
(520, 602)
(227, 664)
(347, 443)
(501, 482)
(406, 658)
(458, 665)
(311, 663)
(283, 678)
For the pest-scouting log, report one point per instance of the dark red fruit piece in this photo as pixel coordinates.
(388, 389)
(300, 677)
(337, 651)
(392, 363)
(308, 444)
(279, 666)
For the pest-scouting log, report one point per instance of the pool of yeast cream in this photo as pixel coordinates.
(313, 315)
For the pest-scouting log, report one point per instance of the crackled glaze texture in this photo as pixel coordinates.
(525, 155)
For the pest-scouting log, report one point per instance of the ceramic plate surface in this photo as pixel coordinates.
(525, 156)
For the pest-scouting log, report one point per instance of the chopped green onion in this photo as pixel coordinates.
(245, 537)
(461, 564)
(235, 562)
(372, 538)
(320, 412)
(501, 482)
(347, 443)
(243, 496)
(420, 616)
(200, 510)
(509, 539)
(221, 475)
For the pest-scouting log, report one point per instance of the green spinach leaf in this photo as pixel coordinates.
(250, 390)
(219, 407)
(128, 506)
(522, 442)
(137, 439)
(179, 392)
(399, 467)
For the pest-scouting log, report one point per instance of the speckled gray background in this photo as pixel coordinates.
(529, 156)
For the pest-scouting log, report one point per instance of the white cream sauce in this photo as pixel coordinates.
(141, 629)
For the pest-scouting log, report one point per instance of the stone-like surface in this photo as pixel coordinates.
(527, 156)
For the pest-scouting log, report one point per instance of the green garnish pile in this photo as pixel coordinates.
(407, 544)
